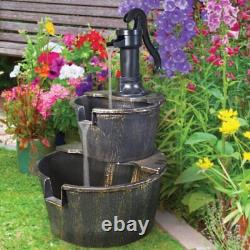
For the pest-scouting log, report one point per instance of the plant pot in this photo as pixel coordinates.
(27, 158)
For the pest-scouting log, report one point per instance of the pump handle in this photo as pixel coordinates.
(140, 22)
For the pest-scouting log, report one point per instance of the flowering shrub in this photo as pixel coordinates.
(22, 119)
(204, 127)
(56, 72)
(175, 28)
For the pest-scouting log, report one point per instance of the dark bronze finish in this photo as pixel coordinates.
(76, 213)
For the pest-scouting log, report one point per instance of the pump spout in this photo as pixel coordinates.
(129, 42)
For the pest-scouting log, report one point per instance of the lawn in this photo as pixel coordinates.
(23, 218)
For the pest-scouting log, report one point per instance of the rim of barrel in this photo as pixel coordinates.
(150, 105)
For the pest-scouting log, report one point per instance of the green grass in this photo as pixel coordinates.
(23, 218)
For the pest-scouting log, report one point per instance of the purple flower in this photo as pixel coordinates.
(85, 86)
(169, 5)
(181, 4)
(219, 12)
(145, 5)
(179, 56)
(175, 28)
(95, 60)
(36, 81)
(190, 25)
(55, 68)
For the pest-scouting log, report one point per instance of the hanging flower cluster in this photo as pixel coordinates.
(175, 28)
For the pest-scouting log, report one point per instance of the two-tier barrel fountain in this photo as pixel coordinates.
(104, 191)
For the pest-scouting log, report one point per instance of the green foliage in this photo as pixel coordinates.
(199, 137)
(196, 200)
(189, 130)
(63, 116)
(217, 232)
(190, 174)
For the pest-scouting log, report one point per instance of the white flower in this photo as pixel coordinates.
(71, 72)
(54, 47)
(15, 71)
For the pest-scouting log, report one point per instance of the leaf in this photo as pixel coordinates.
(196, 200)
(230, 216)
(216, 93)
(189, 175)
(243, 122)
(198, 137)
(247, 210)
(229, 150)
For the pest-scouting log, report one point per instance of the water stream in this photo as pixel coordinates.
(84, 127)
(110, 52)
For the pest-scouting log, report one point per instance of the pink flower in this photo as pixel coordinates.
(74, 82)
(248, 72)
(8, 95)
(48, 57)
(69, 40)
(45, 142)
(234, 31)
(195, 59)
(213, 50)
(48, 99)
(220, 11)
(230, 63)
(231, 76)
(241, 2)
(232, 51)
(191, 87)
(36, 81)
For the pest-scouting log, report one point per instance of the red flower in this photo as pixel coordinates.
(191, 87)
(195, 59)
(97, 43)
(244, 16)
(204, 32)
(230, 63)
(241, 2)
(232, 51)
(48, 57)
(215, 60)
(218, 61)
(118, 73)
(213, 50)
(236, 27)
(211, 58)
(231, 76)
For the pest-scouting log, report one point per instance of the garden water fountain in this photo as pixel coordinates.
(115, 173)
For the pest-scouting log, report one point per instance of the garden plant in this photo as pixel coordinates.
(204, 130)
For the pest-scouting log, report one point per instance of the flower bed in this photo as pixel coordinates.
(204, 128)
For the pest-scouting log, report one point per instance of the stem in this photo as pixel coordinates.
(224, 79)
(229, 178)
